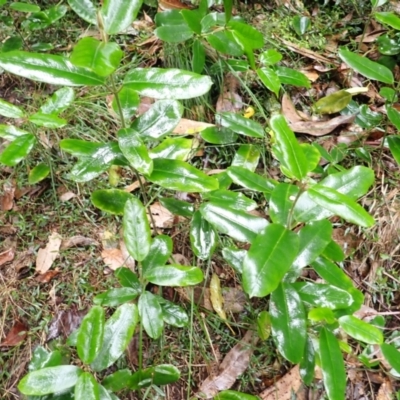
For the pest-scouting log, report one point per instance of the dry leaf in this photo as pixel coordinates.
(113, 258)
(289, 110)
(320, 128)
(7, 256)
(311, 75)
(135, 185)
(78, 241)
(188, 126)
(46, 256)
(7, 199)
(161, 216)
(234, 300)
(47, 276)
(129, 262)
(385, 392)
(145, 102)
(216, 296)
(283, 388)
(23, 260)
(16, 335)
(66, 196)
(65, 322)
(232, 366)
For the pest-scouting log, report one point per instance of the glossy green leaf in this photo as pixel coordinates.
(289, 76)
(218, 135)
(250, 180)
(389, 45)
(80, 148)
(333, 103)
(24, 7)
(388, 18)
(322, 295)
(394, 146)
(117, 15)
(151, 315)
(173, 148)
(239, 124)
(159, 253)
(361, 330)
(234, 395)
(118, 331)
(288, 320)
(228, 4)
(111, 200)
(203, 238)
(334, 252)
(173, 314)
(10, 132)
(49, 380)
(270, 256)
(331, 273)
(86, 387)
(172, 27)
(59, 101)
(9, 110)
(177, 207)
(341, 205)
(394, 116)
(181, 176)
(118, 380)
(161, 83)
(137, 234)
(291, 154)
(378, 3)
(192, 19)
(38, 173)
(307, 364)
(174, 275)
(234, 257)
(12, 43)
(199, 57)
(264, 325)
(392, 356)
(270, 57)
(135, 150)
(270, 79)
(332, 364)
(247, 34)
(224, 42)
(282, 202)
(105, 394)
(163, 374)
(312, 155)
(85, 9)
(47, 120)
(234, 200)
(300, 24)
(17, 150)
(127, 278)
(247, 156)
(366, 67)
(90, 334)
(129, 100)
(48, 68)
(45, 18)
(211, 20)
(102, 58)
(41, 358)
(322, 314)
(237, 224)
(117, 296)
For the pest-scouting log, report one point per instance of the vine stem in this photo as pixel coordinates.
(290, 216)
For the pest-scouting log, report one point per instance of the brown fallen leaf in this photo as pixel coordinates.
(282, 389)
(46, 256)
(129, 262)
(67, 196)
(289, 110)
(47, 276)
(16, 335)
(320, 128)
(162, 217)
(189, 126)
(65, 322)
(385, 391)
(7, 256)
(7, 199)
(232, 366)
(23, 260)
(113, 258)
(78, 241)
(135, 185)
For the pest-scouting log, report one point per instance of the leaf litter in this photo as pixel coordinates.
(46, 256)
(16, 335)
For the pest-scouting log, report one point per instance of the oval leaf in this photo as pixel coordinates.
(111, 200)
(174, 275)
(160, 375)
(17, 150)
(239, 124)
(333, 103)
(117, 15)
(87, 388)
(117, 296)
(151, 315)
(85, 9)
(361, 330)
(159, 253)
(8, 110)
(203, 238)
(250, 180)
(38, 173)
(392, 356)
(281, 202)
(129, 100)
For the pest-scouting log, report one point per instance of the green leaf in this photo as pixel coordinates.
(174, 275)
(366, 67)
(102, 58)
(237, 224)
(332, 364)
(181, 176)
(111, 200)
(159, 253)
(245, 33)
(224, 42)
(333, 251)
(341, 205)
(394, 146)
(331, 273)
(250, 180)
(49, 380)
(165, 83)
(134, 150)
(8, 110)
(127, 278)
(270, 79)
(162, 118)
(105, 394)
(12, 43)
(178, 207)
(137, 234)
(129, 101)
(281, 202)
(270, 256)
(173, 148)
(360, 330)
(333, 103)
(24, 7)
(118, 380)
(10, 132)
(159, 375)
(322, 314)
(47, 120)
(300, 24)
(90, 334)
(247, 156)
(85, 9)
(192, 19)
(378, 3)
(48, 68)
(59, 101)
(172, 27)
(42, 358)
(117, 15)
(289, 76)
(86, 387)
(240, 124)
(38, 173)
(17, 150)
(388, 18)
(394, 116)
(203, 238)
(115, 297)
(307, 364)
(312, 155)
(228, 4)
(173, 314)
(234, 395)
(218, 135)
(234, 200)
(392, 356)
(199, 57)
(288, 320)
(150, 313)
(270, 57)
(322, 295)
(234, 257)
(291, 154)
(264, 325)
(118, 331)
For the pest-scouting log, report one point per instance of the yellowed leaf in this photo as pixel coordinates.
(47, 256)
(216, 296)
(385, 392)
(113, 258)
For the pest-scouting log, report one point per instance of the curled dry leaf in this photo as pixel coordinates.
(16, 335)
(232, 366)
(78, 241)
(320, 128)
(6, 256)
(283, 389)
(47, 276)
(23, 260)
(46, 256)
